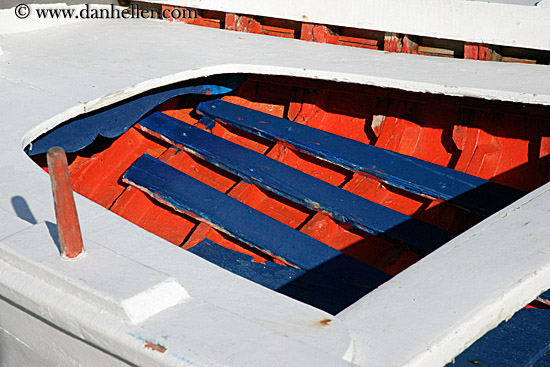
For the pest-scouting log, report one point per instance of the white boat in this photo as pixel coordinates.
(135, 299)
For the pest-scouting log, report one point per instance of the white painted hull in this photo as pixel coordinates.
(54, 312)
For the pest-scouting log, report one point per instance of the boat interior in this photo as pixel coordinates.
(339, 188)
(319, 190)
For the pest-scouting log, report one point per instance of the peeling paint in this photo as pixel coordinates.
(155, 347)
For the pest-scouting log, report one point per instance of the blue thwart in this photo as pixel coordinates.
(188, 195)
(297, 186)
(420, 177)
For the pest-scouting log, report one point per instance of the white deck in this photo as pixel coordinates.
(423, 317)
(518, 23)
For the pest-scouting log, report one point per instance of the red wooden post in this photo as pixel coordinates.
(68, 228)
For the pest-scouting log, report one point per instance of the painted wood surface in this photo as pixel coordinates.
(68, 226)
(318, 61)
(188, 195)
(412, 174)
(503, 245)
(516, 23)
(321, 291)
(269, 274)
(451, 308)
(522, 341)
(114, 121)
(98, 298)
(297, 186)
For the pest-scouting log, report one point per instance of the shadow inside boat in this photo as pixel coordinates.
(319, 287)
(324, 288)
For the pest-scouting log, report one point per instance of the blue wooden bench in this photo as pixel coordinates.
(522, 341)
(329, 294)
(420, 177)
(296, 185)
(188, 195)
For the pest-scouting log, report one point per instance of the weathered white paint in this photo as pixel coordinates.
(22, 334)
(518, 23)
(225, 317)
(154, 300)
(10, 23)
(469, 286)
(249, 53)
(120, 295)
(57, 73)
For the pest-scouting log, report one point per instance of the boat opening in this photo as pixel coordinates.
(319, 190)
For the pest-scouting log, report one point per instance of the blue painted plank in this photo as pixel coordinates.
(114, 120)
(328, 294)
(522, 341)
(188, 195)
(296, 185)
(469, 192)
(270, 275)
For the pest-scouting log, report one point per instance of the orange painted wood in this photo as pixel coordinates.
(262, 25)
(205, 18)
(204, 230)
(318, 33)
(471, 51)
(480, 51)
(68, 227)
(341, 113)
(200, 170)
(340, 36)
(287, 181)
(362, 38)
(420, 130)
(98, 177)
(242, 23)
(249, 95)
(510, 149)
(261, 96)
(369, 249)
(425, 132)
(161, 220)
(280, 27)
(450, 218)
(279, 208)
(392, 42)
(182, 108)
(410, 46)
(315, 167)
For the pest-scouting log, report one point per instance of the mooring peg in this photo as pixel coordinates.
(68, 228)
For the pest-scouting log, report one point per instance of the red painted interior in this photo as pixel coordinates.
(98, 178)
(503, 142)
(354, 37)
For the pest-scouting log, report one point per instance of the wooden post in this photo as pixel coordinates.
(68, 228)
